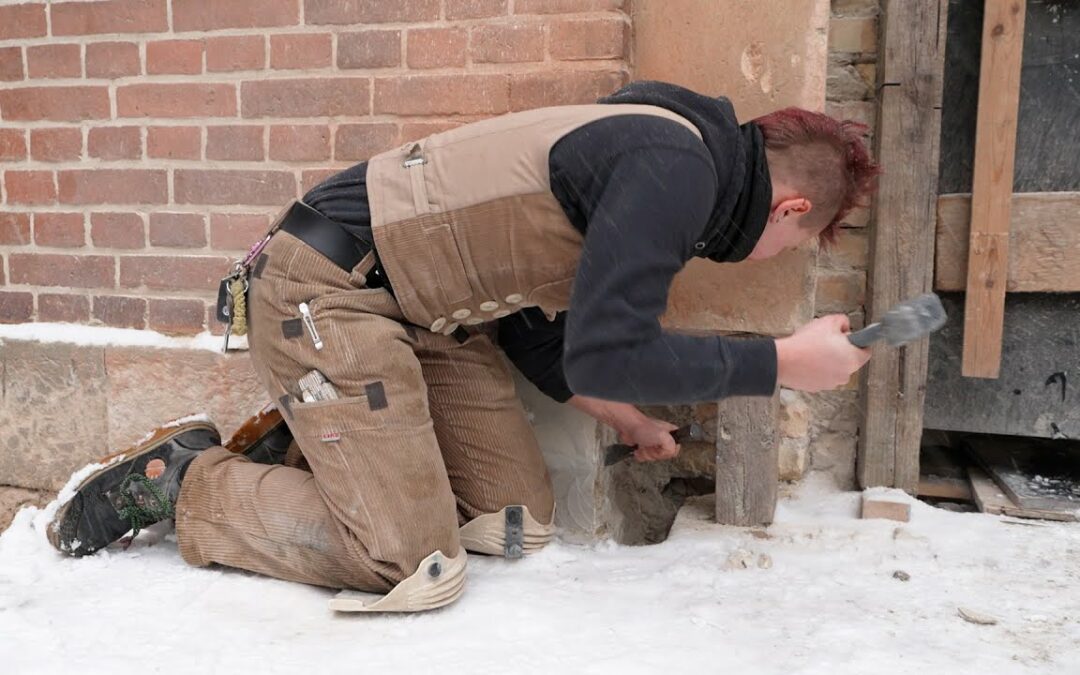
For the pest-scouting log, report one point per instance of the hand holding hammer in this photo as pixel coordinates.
(824, 354)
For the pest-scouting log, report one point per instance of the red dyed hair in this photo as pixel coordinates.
(822, 157)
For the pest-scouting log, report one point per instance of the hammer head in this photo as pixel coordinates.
(913, 319)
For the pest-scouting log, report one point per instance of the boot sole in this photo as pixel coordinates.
(159, 436)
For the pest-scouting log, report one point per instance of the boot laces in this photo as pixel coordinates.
(136, 508)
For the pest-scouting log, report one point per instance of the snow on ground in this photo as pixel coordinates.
(102, 336)
(823, 599)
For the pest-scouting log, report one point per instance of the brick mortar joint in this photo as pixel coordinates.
(305, 28)
(236, 77)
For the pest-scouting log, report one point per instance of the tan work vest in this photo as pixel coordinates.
(466, 225)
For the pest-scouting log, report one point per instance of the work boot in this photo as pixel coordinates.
(130, 490)
(264, 438)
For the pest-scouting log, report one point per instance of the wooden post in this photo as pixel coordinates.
(747, 455)
(902, 237)
(991, 198)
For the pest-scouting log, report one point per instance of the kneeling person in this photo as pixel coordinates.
(551, 236)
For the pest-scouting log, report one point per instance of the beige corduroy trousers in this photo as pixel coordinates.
(428, 434)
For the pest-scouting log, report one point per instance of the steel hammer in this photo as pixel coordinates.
(906, 322)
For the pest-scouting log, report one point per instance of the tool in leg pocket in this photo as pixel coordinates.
(619, 451)
(305, 313)
(315, 387)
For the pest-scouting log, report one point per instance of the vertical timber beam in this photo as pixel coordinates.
(992, 186)
(902, 238)
(747, 456)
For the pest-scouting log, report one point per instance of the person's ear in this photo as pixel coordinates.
(795, 206)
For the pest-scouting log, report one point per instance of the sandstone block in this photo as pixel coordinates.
(793, 458)
(883, 507)
(794, 421)
(12, 499)
(147, 387)
(53, 417)
(853, 34)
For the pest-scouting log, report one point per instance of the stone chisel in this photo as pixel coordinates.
(619, 451)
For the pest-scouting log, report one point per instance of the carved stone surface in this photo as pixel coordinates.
(64, 406)
(53, 412)
(150, 386)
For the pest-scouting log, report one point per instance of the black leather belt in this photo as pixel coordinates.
(334, 242)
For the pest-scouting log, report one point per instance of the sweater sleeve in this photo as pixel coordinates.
(535, 346)
(643, 228)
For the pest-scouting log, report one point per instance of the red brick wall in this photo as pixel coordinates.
(145, 142)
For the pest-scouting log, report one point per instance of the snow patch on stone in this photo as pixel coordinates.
(885, 494)
(102, 336)
(199, 417)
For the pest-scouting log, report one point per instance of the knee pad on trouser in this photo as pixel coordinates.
(511, 532)
(438, 581)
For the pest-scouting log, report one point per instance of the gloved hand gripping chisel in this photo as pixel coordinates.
(619, 451)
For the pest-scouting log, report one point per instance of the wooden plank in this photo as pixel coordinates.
(988, 497)
(944, 488)
(1035, 473)
(1036, 393)
(747, 454)
(995, 151)
(902, 239)
(1044, 242)
(991, 499)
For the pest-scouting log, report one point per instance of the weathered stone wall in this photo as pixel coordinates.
(66, 405)
(12, 499)
(571, 442)
(832, 418)
(763, 55)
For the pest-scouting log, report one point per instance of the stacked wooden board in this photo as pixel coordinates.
(1021, 477)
